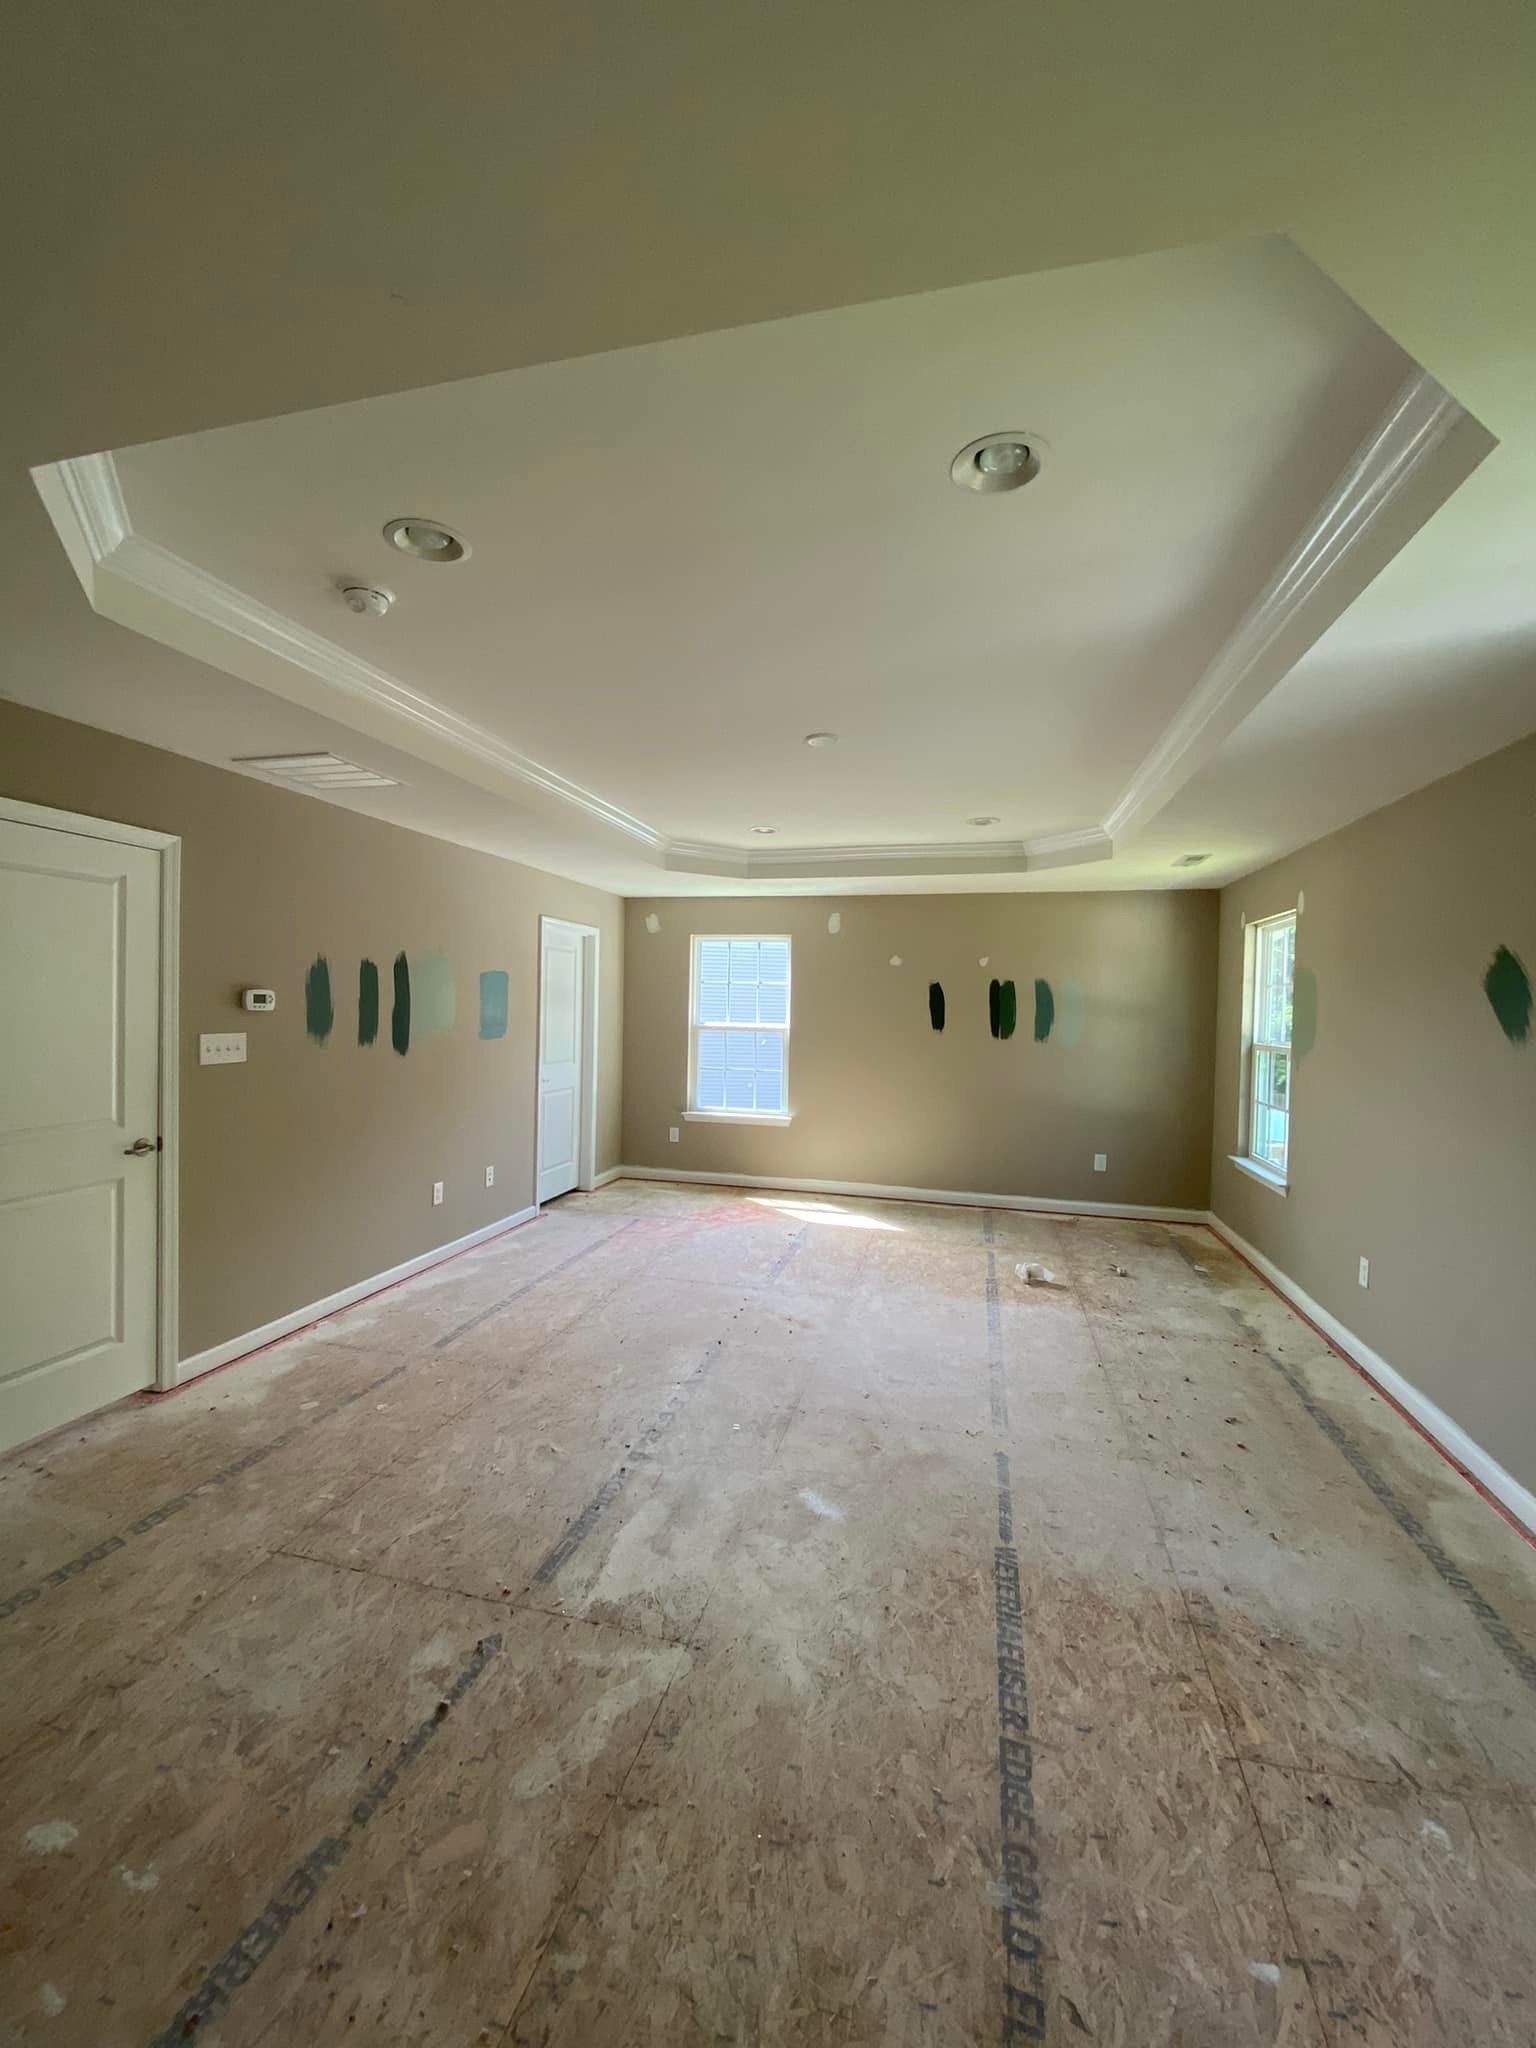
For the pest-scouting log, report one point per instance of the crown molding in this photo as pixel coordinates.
(1403, 440)
(85, 501)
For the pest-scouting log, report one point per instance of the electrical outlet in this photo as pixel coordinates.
(673, 1133)
(1365, 1272)
(1101, 1162)
(221, 1048)
(490, 1176)
(437, 1194)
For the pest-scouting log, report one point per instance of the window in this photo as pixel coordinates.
(1268, 1094)
(738, 1053)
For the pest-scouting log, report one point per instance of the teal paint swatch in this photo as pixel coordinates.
(1508, 988)
(1303, 1012)
(434, 1002)
(1008, 1011)
(400, 1015)
(1069, 1013)
(493, 1003)
(367, 1001)
(319, 1010)
(994, 1007)
(936, 1005)
(1045, 1011)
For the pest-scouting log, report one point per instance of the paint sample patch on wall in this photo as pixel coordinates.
(1508, 989)
(1058, 1013)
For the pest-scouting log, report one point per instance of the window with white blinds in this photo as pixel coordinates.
(738, 1058)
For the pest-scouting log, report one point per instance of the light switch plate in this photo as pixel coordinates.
(1101, 1162)
(221, 1048)
(490, 1176)
(1365, 1272)
(437, 1194)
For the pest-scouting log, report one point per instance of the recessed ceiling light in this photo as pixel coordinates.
(983, 821)
(821, 739)
(427, 539)
(765, 831)
(997, 462)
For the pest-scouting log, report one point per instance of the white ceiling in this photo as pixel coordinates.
(688, 555)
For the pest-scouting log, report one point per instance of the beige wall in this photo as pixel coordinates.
(310, 1167)
(1414, 1122)
(878, 1097)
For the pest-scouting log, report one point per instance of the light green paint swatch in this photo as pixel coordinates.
(1069, 1013)
(434, 1001)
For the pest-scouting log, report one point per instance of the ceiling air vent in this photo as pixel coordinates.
(317, 771)
(1190, 860)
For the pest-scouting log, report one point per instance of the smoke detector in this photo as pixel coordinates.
(365, 600)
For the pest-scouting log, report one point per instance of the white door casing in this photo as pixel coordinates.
(567, 1057)
(80, 1022)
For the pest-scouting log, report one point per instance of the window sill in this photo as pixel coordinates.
(1265, 1177)
(738, 1116)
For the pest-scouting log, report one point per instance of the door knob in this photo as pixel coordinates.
(140, 1147)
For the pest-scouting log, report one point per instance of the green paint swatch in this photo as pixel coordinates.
(994, 1007)
(400, 1016)
(319, 1011)
(1303, 1012)
(936, 1005)
(1508, 988)
(493, 1003)
(1069, 1013)
(1045, 1011)
(367, 1001)
(434, 1003)
(1008, 1011)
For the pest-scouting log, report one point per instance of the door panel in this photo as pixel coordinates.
(561, 1081)
(79, 1083)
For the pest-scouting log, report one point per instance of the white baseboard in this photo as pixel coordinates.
(297, 1319)
(1449, 1435)
(601, 1180)
(1138, 1212)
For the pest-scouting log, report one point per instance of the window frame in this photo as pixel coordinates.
(692, 1113)
(1255, 1048)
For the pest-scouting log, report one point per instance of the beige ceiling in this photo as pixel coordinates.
(226, 216)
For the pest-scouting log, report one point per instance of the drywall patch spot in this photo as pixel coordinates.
(936, 1005)
(1508, 989)
(1265, 1973)
(139, 1880)
(835, 923)
(52, 2000)
(895, 959)
(652, 921)
(319, 1010)
(1303, 1012)
(985, 960)
(493, 1003)
(50, 1836)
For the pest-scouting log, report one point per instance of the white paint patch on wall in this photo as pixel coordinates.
(895, 959)
(835, 923)
(652, 921)
(139, 1880)
(1266, 1973)
(53, 2000)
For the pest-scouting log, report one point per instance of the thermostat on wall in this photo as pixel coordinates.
(258, 999)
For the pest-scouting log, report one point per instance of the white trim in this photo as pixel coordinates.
(1433, 1420)
(1261, 1174)
(586, 1141)
(737, 1116)
(609, 1173)
(1044, 1205)
(85, 502)
(345, 1297)
(168, 1024)
(1397, 448)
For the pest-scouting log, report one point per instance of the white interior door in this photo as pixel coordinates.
(79, 1088)
(562, 1082)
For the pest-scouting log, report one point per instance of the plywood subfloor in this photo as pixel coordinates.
(716, 1617)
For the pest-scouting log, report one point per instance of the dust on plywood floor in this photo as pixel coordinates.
(728, 1617)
